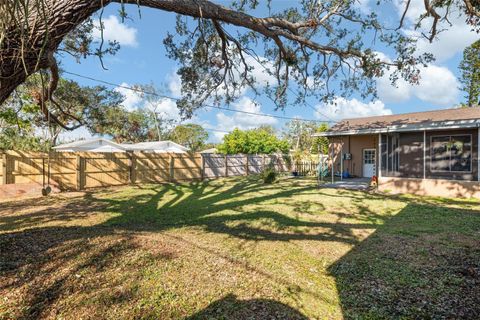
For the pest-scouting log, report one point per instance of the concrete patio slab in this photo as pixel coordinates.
(350, 184)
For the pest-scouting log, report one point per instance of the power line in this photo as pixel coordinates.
(176, 99)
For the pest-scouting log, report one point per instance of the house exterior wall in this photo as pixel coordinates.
(410, 176)
(355, 146)
(430, 187)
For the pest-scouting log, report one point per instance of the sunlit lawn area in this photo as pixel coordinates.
(238, 249)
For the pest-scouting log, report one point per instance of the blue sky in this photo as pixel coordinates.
(142, 60)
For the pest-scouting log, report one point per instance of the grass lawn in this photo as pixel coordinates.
(237, 249)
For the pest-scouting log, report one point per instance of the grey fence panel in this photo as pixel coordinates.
(214, 161)
(214, 172)
(255, 164)
(236, 171)
(277, 162)
(281, 164)
(214, 166)
(236, 165)
(236, 160)
(255, 160)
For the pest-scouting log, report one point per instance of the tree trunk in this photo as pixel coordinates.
(25, 50)
(29, 41)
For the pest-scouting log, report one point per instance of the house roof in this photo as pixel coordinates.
(80, 143)
(165, 146)
(415, 121)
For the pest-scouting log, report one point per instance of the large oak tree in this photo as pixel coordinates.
(312, 44)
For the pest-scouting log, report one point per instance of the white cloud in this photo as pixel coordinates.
(174, 84)
(132, 98)
(165, 108)
(81, 133)
(259, 71)
(448, 42)
(241, 120)
(342, 108)
(415, 9)
(390, 93)
(363, 6)
(451, 39)
(115, 30)
(438, 85)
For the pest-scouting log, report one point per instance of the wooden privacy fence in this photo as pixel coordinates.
(28, 172)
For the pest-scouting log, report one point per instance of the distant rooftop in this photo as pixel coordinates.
(105, 145)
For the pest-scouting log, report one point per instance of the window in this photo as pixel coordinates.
(451, 153)
(390, 153)
(369, 156)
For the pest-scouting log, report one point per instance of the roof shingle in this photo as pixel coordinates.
(414, 118)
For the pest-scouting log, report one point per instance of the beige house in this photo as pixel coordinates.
(426, 153)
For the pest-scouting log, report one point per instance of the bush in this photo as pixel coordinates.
(269, 175)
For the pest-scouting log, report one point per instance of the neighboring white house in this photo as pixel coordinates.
(104, 145)
(156, 146)
(91, 145)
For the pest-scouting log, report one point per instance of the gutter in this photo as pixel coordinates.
(445, 125)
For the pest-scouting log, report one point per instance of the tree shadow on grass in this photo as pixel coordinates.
(52, 262)
(49, 260)
(230, 307)
(200, 207)
(423, 263)
(411, 265)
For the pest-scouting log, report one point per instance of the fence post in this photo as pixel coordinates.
(80, 172)
(246, 165)
(132, 176)
(4, 168)
(203, 167)
(226, 165)
(171, 169)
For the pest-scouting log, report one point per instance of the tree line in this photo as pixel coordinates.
(100, 111)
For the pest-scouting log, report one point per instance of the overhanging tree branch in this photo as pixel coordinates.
(31, 31)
